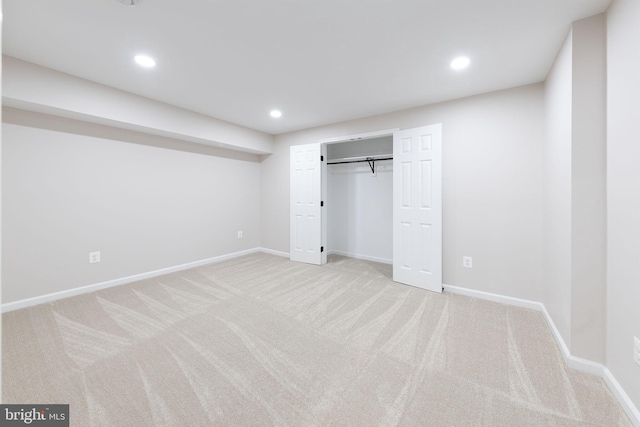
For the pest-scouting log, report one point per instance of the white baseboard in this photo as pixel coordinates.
(622, 397)
(573, 362)
(11, 306)
(494, 297)
(363, 257)
(274, 252)
(594, 368)
(556, 335)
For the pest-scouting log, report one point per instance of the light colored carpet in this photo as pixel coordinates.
(260, 340)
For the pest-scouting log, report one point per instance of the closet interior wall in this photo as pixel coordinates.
(359, 203)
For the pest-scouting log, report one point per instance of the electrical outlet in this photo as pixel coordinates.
(94, 257)
(636, 350)
(239, 234)
(467, 261)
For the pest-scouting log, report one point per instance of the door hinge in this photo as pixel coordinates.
(321, 203)
(322, 158)
(321, 248)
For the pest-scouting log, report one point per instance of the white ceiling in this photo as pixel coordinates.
(319, 61)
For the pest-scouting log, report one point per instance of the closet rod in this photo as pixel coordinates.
(370, 160)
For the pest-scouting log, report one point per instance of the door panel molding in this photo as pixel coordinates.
(305, 214)
(417, 207)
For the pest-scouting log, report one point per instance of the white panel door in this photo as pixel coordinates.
(417, 207)
(306, 191)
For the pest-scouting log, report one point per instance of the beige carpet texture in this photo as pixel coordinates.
(261, 341)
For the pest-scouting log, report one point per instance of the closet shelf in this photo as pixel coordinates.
(371, 160)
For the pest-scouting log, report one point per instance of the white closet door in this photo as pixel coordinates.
(306, 191)
(417, 207)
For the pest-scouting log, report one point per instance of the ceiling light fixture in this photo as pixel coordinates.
(145, 61)
(129, 3)
(460, 63)
(276, 113)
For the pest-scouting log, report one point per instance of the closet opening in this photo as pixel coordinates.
(359, 198)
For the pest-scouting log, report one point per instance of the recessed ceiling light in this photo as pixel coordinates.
(145, 61)
(276, 113)
(460, 63)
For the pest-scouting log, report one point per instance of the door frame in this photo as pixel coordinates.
(338, 140)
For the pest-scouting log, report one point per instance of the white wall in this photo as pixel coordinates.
(623, 193)
(66, 193)
(588, 189)
(575, 212)
(557, 194)
(590, 120)
(492, 185)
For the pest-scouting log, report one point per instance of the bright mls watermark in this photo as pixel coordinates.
(34, 415)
